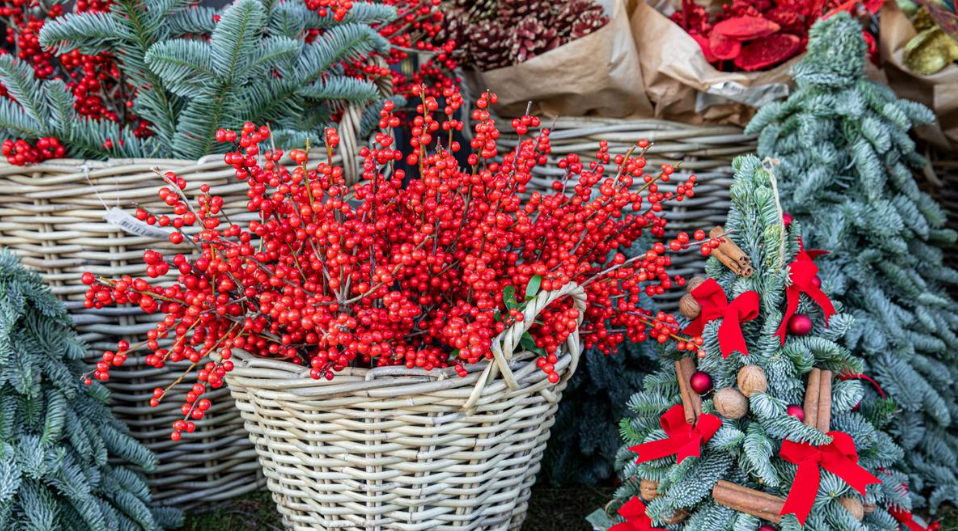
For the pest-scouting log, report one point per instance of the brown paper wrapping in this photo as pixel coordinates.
(939, 91)
(598, 74)
(683, 86)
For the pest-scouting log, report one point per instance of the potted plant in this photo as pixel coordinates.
(398, 346)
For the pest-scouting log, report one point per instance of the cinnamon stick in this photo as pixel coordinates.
(691, 401)
(825, 402)
(812, 397)
(749, 501)
(731, 255)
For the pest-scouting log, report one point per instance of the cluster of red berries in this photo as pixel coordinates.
(419, 272)
(94, 80)
(415, 33)
(20, 152)
(338, 8)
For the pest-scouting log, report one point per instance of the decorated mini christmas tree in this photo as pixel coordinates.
(57, 437)
(760, 429)
(847, 167)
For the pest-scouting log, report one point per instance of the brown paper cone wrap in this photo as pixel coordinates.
(937, 91)
(598, 74)
(684, 87)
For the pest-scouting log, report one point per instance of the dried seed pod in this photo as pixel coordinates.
(648, 489)
(854, 506)
(730, 403)
(768, 51)
(746, 28)
(724, 48)
(751, 379)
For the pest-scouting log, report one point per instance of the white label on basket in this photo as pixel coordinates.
(129, 224)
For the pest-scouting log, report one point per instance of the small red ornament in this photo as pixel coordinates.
(817, 281)
(787, 219)
(701, 382)
(797, 411)
(799, 325)
(766, 528)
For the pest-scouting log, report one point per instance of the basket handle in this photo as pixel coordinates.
(506, 343)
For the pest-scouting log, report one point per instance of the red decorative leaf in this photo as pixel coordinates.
(789, 19)
(768, 51)
(745, 28)
(706, 48)
(724, 48)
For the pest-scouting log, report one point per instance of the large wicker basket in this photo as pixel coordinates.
(52, 215)
(706, 151)
(410, 450)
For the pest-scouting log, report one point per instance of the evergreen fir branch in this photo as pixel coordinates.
(235, 38)
(757, 455)
(184, 65)
(198, 20)
(18, 79)
(90, 33)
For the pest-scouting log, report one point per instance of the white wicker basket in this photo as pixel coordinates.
(405, 449)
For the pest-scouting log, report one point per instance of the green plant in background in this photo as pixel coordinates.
(758, 397)
(847, 166)
(585, 438)
(57, 435)
(196, 69)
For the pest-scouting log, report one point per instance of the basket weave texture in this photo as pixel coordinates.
(706, 151)
(52, 215)
(405, 449)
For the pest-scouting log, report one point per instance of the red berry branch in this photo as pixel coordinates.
(424, 273)
(95, 81)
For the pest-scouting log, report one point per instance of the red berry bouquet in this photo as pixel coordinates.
(416, 271)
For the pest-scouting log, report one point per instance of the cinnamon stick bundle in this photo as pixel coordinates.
(691, 401)
(818, 400)
(731, 255)
(749, 501)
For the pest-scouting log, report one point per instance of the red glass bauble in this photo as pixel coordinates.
(701, 382)
(787, 219)
(797, 411)
(799, 325)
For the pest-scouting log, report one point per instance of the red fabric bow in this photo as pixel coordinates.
(802, 272)
(907, 520)
(839, 457)
(715, 305)
(635, 518)
(685, 440)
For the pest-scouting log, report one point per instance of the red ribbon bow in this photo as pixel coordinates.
(907, 520)
(715, 305)
(802, 272)
(839, 457)
(685, 440)
(635, 518)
